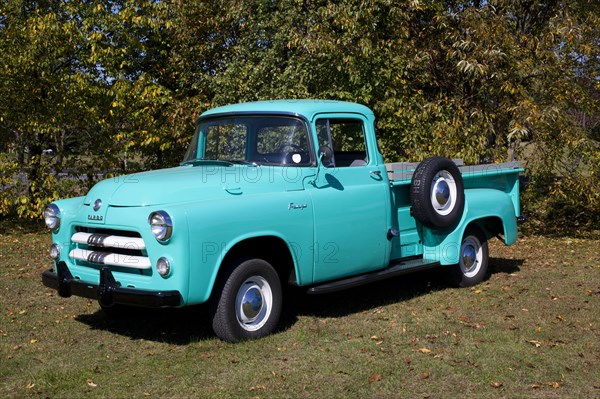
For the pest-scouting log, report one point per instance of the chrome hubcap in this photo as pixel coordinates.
(443, 192)
(253, 303)
(471, 256)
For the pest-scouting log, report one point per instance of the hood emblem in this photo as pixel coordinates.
(97, 204)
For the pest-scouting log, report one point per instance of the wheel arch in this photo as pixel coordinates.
(491, 210)
(269, 247)
(492, 226)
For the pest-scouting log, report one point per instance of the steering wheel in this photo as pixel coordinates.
(296, 157)
(294, 147)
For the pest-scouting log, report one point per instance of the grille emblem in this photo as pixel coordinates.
(97, 204)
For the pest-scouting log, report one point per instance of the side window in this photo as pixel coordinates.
(346, 138)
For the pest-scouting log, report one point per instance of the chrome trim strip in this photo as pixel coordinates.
(109, 241)
(111, 259)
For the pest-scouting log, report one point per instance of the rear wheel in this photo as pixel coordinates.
(247, 302)
(473, 259)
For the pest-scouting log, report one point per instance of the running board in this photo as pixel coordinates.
(393, 270)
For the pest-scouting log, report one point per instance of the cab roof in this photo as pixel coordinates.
(304, 108)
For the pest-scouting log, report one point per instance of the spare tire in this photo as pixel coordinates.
(437, 193)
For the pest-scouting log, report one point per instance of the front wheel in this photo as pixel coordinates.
(247, 301)
(473, 260)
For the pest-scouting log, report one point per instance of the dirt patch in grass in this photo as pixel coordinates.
(530, 330)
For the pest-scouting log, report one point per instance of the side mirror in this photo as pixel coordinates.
(325, 154)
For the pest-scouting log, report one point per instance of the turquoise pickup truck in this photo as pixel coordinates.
(270, 195)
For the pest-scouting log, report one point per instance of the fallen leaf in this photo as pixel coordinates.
(553, 384)
(257, 387)
(424, 375)
(91, 383)
(536, 343)
(375, 377)
(407, 360)
(235, 360)
(496, 384)
(424, 350)
(30, 385)
(32, 341)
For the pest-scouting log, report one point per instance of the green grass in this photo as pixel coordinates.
(531, 330)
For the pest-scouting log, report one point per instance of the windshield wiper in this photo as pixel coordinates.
(206, 161)
(241, 162)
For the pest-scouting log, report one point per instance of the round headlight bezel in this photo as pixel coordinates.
(52, 217)
(161, 225)
(54, 251)
(163, 267)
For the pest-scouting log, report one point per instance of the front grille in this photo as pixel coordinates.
(121, 249)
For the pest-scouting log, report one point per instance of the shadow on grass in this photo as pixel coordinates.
(182, 326)
(175, 326)
(505, 266)
(385, 292)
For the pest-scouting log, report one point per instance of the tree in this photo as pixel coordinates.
(118, 84)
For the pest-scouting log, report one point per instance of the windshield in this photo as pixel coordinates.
(265, 140)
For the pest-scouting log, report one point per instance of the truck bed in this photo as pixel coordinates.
(400, 173)
(502, 176)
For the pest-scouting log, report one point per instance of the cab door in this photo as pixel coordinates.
(350, 200)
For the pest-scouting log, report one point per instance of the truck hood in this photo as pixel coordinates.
(184, 184)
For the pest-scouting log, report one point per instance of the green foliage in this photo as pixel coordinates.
(117, 85)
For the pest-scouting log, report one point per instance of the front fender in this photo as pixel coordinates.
(69, 208)
(444, 245)
(217, 226)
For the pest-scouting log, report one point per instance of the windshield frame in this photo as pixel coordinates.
(231, 116)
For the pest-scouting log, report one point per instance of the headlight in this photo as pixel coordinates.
(161, 225)
(52, 217)
(163, 267)
(55, 251)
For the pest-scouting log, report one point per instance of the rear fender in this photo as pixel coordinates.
(444, 245)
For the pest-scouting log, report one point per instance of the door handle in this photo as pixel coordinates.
(375, 172)
(233, 190)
